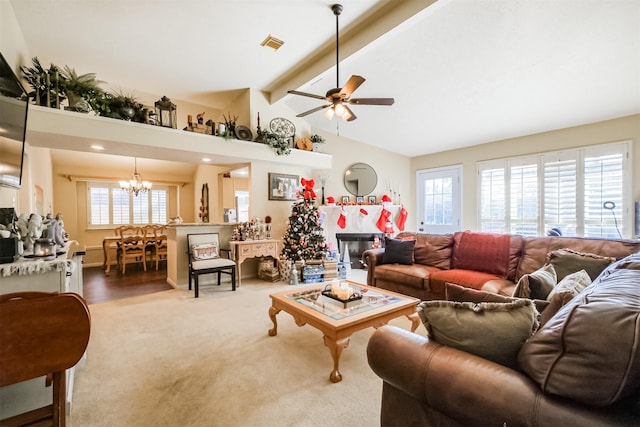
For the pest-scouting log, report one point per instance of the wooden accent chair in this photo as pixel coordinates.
(204, 258)
(159, 250)
(42, 334)
(131, 247)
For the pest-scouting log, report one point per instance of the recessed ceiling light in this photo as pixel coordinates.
(206, 159)
(97, 147)
(272, 42)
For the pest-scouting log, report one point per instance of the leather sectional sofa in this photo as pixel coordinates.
(481, 261)
(581, 368)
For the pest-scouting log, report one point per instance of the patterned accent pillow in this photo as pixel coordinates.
(572, 284)
(204, 251)
(494, 331)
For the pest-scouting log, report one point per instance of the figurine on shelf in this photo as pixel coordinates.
(34, 231)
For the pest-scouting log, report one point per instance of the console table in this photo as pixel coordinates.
(241, 250)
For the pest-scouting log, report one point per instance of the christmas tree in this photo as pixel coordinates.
(304, 238)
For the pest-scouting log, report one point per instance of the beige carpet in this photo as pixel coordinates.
(168, 359)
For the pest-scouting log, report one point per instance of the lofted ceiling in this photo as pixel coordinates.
(462, 72)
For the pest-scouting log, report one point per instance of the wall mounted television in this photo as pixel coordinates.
(14, 106)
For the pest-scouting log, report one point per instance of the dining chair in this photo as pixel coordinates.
(57, 343)
(132, 247)
(159, 244)
(204, 258)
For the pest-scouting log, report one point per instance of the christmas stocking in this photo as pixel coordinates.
(342, 219)
(362, 216)
(402, 218)
(384, 218)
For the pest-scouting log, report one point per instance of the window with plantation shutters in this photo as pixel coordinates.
(581, 192)
(560, 192)
(493, 201)
(604, 183)
(109, 206)
(523, 198)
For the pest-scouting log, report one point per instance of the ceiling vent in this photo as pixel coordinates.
(272, 42)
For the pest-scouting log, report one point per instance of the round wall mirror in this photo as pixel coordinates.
(360, 179)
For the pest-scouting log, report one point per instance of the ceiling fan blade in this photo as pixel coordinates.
(306, 113)
(348, 115)
(310, 95)
(372, 101)
(352, 84)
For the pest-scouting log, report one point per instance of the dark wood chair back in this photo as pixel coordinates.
(42, 334)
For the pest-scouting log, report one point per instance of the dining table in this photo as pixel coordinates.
(106, 245)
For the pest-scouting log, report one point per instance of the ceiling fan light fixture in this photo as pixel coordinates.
(329, 113)
(339, 109)
(339, 96)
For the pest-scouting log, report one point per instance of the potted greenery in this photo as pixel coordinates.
(316, 140)
(278, 143)
(46, 83)
(123, 106)
(83, 91)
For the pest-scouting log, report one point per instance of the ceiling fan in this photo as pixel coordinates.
(339, 97)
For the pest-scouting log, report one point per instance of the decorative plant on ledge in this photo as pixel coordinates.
(279, 144)
(81, 90)
(46, 84)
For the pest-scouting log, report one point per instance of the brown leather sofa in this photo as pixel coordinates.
(472, 259)
(582, 368)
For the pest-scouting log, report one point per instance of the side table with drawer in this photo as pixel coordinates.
(241, 250)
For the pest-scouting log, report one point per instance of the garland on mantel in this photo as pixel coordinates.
(26, 267)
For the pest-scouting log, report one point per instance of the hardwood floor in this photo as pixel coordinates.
(100, 288)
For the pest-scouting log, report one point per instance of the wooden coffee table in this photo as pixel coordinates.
(308, 306)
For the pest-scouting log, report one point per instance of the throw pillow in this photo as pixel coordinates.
(494, 331)
(572, 284)
(459, 293)
(567, 261)
(485, 252)
(398, 251)
(204, 251)
(536, 285)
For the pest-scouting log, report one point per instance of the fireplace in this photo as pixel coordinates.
(355, 244)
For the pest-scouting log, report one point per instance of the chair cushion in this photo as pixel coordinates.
(202, 251)
(494, 331)
(468, 278)
(212, 263)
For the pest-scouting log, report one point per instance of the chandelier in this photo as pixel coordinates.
(135, 185)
